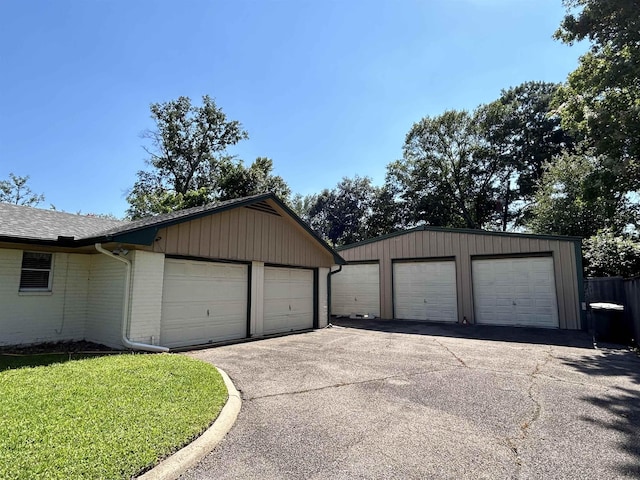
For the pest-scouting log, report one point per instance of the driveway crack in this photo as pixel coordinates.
(345, 384)
(515, 443)
(452, 353)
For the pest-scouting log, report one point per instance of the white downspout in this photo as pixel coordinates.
(125, 307)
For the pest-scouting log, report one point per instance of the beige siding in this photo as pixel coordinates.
(247, 235)
(463, 247)
(34, 317)
(106, 296)
(145, 310)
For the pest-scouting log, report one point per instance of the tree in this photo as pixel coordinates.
(343, 214)
(601, 99)
(238, 181)
(188, 162)
(522, 135)
(609, 255)
(580, 194)
(448, 176)
(16, 191)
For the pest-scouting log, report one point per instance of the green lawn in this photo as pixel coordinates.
(102, 418)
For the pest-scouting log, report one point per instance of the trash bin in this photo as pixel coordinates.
(609, 323)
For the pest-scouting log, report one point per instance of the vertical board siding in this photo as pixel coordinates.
(464, 246)
(37, 317)
(246, 235)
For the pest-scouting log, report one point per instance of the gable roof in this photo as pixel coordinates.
(33, 225)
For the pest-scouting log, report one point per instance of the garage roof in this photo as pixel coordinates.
(458, 230)
(21, 224)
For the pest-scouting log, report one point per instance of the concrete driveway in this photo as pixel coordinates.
(406, 400)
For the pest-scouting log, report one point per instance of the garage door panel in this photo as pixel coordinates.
(356, 290)
(203, 302)
(425, 291)
(512, 291)
(288, 299)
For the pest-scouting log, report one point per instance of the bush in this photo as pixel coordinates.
(608, 255)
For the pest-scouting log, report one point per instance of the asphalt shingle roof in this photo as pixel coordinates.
(36, 223)
(19, 221)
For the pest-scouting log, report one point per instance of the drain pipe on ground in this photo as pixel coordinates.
(125, 307)
(329, 325)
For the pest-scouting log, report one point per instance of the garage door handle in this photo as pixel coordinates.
(289, 307)
(425, 300)
(513, 303)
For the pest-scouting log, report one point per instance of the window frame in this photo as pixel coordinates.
(49, 286)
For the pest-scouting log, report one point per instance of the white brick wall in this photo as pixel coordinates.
(146, 296)
(106, 295)
(33, 317)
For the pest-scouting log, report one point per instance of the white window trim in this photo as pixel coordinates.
(36, 290)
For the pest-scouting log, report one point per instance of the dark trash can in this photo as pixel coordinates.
(609, 323)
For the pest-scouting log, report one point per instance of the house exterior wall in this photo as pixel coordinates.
(464, 246)
(256, 328)
(247, 235)
(145, 302)
(323, 298)
(35, 317)
(106, 297)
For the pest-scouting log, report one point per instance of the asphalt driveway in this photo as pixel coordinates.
(407, 400)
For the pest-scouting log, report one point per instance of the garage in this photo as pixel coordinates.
(203, 302)
(356, 290)
(288, 299)
(425, 290)
(515, 291)
(472, 277)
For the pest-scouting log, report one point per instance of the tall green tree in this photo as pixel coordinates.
(601, 98)
(580, 195)
(189, 164)
(15, 190)
(522, 135)
(343, 214)
(448, 176)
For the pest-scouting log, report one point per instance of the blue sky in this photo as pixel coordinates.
(325, 88)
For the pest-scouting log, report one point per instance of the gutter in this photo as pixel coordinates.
(125, 307)
(329, 293)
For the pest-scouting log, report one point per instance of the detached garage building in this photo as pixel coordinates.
(243, 268)
(446, 275)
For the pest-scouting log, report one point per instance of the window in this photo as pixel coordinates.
(36, 272)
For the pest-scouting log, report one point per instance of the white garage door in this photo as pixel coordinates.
(356, 290)
(425, 291)
(203, 302)
(288, 299)
(515, 291)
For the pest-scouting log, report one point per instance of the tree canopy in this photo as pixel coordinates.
(189, 164)
(15, 190)
(601, 98)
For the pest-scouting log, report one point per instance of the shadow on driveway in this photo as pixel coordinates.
(620, 402)
(540, 336)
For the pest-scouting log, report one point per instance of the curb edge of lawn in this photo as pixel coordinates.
(185, 458)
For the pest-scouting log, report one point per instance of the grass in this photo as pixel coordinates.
(9, 361)
(110, 417)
